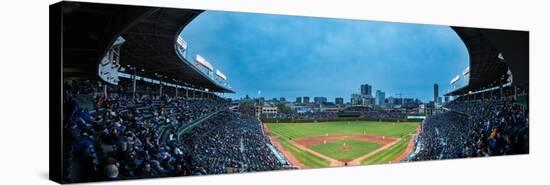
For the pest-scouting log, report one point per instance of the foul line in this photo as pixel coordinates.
(333, 162)
(357, 161)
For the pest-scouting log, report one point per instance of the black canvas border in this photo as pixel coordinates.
(56, 93)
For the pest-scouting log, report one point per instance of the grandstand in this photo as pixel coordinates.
(489, 116)
(347, 114)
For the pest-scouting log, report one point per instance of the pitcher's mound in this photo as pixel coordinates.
(347, 148)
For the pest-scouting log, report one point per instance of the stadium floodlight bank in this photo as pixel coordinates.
(127, 102)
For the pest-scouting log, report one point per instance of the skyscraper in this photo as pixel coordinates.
(380, 97)
(339, 101)
(366, 89)
(306, 99)
(436, 92)
(320, 100)
(363, 100)
(356, 99)
(298, 99)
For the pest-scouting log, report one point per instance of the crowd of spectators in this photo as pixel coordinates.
(126, 138)
(384, 115)
(230, 142)
(367, 114)
(302, 116)
(475, 128)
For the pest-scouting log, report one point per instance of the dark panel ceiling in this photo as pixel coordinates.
(89, 29)
(150, 45)
(484, 46)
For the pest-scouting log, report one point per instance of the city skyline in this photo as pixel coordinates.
(298, 99)
(290, 56)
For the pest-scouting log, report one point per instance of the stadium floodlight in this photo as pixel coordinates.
(466, 71)
(220, 74)
(119, 41)
(455, 79)
(203, 62)
(181, 43)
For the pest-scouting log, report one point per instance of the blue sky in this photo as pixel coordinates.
(290, 56)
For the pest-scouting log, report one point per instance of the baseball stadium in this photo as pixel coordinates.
(140, 98)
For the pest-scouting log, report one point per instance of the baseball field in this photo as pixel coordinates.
(341, 143)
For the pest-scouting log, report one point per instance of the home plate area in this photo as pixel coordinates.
(343, 150)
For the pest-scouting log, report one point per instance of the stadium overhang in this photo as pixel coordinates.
(484, 47)
(150, 33)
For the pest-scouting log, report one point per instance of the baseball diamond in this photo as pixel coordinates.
(342, 143)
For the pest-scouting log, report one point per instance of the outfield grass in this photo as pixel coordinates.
(334, 149)
(284, 131)
(298, 130)
(385, 156)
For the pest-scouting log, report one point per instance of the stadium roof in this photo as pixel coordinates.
(484, 47)
(89, 29)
